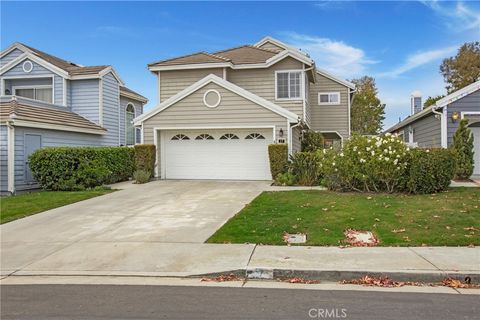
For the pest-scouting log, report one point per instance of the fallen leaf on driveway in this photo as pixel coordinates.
(299, 280)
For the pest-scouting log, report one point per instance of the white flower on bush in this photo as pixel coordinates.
(324, 151)
(427, 150)
(362, 160)
(387, 159)
(341, 154)
(385, 150)
(355, 148)
(333, 164)
(373, 153)
(388, 134)
(395, 161)
(336, 169)
(368, 149)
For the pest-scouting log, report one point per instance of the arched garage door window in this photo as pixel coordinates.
(129, 129)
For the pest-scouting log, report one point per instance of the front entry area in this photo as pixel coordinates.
(220, 154)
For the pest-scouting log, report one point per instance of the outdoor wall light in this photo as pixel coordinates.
(455, 116)
(281, 133)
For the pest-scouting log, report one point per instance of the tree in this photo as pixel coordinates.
(431, 101)
(367, 111)
(312, 141)
(463, 69)
(463, 146)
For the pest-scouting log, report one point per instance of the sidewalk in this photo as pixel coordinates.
(427, 264)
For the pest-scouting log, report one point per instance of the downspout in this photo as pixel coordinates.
(443, 125)
(10, 157)
(290, 136)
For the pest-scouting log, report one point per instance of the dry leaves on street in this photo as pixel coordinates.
(299, 280)
(380, 282)
(454, 283)
(223, 278)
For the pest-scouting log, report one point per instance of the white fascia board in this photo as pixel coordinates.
(223, 83)
(41, 125)
(190, 66)
(335, 78)
(279, 44)
(12, 47)
(133, 97)
(412, 118)
(458, 94)
(37, 60)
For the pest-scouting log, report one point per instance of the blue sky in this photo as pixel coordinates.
(401, 44)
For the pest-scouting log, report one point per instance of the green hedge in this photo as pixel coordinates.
(78, 168)
(278, 155)
(145, 157)
(306, 167)
(312, 141)
(429, 170)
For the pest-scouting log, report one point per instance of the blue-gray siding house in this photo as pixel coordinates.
(47, 101)
(435, 126)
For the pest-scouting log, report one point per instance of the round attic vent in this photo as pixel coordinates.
(212, 98)
(27, 66)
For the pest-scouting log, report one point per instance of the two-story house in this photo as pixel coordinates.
(47, 101)
(218, 112)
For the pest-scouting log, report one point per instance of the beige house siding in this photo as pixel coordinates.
(329, 117)
(172, 82)
(262, 82)
(296, 142)
(233, 111)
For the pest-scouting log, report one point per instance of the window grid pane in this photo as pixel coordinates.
(282, 85)
(294, 84)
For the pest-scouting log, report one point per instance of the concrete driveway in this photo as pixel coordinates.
(102, 230)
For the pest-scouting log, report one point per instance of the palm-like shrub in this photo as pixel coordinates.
(463, 147)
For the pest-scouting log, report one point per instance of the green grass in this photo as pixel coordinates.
(16, 207)
(434, 220)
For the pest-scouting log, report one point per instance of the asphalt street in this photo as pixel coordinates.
(183, 302)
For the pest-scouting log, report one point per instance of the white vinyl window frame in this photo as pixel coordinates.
(34, 88)
(300, 89)
(331, 102)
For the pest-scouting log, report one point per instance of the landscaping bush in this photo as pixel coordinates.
(305, 168)
(145, 157)
(278, 155)
(78, 168)
(285, 179)
(311, 141)
(429, 170)
(366, 164)
(142, 176)
(463, 147)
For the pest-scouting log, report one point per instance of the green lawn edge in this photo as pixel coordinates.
(442, 219)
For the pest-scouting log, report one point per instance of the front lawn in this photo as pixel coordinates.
(445, 219)
(16, 207)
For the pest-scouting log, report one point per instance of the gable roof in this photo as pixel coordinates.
(129, 93)
(335, 78)
(438, 105)
(64, 67)
(194, 58)
(22, 112)
(223, 83)
(246, 54)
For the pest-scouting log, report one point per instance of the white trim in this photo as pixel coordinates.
(333, 131)
(224, 73)
(100, 102)
(109, 69)
(335, 78)
(50, 126)
(349, 114)
(304, 93)
(225, 84)
(133, 97)
(458, 94)
(34, 87)
(205, 98)
(302, 85)
(289, 138)
(278, 43)
(13, 46)
(159, 88)
(329, 103)
(36, 59)
(444, 128)
(468, 113)
(162, 168)
(10, 158)
(142, 139)
(27, 70)
(64, 92)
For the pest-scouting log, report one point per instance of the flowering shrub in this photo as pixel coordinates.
(366, 164)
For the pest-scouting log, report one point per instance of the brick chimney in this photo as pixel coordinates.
(416, 102)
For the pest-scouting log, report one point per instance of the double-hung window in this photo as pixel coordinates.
(328, 98)
(288, 84)
(37, 93)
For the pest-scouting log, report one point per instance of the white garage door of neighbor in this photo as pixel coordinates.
(476, 149)
(230, 154)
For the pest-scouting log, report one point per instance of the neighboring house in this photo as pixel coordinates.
(435, 126)
(47, 101)
(218, 112)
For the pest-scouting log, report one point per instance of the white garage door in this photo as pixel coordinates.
(476, 149)
(230, 154)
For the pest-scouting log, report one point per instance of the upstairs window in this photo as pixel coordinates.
(129, 129)
(328, 98)
(288, 85)
(43, 93)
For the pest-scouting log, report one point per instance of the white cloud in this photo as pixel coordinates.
(419, 59)
(457, 16)
(335, 56)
